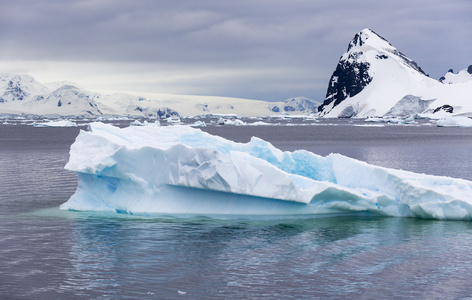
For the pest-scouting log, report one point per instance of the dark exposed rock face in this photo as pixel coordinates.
(444, 77)
(165, 112)
(348, 80)
(447, 108)
(289, 108)
(13, 92)
(469, 69)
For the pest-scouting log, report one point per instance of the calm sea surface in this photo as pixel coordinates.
(46, 253)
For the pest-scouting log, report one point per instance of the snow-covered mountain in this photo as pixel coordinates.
(188, 105)
(297, 104)
(373, 78)
(23, 95)
(462, 76)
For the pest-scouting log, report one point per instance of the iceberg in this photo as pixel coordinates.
(198, 124)
(180, 171)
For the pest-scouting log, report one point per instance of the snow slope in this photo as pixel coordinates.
(461, 77)
(373, 76)
(178, 170)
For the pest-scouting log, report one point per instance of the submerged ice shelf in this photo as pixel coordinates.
(178, 170)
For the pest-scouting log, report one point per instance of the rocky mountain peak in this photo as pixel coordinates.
(366, 36)
(353, 72)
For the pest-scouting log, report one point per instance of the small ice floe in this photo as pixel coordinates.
(61, 123)
(198, 124)
(173, 120)
(384, 120)
(137, 123)
(221, 121)
(181, 292)
(455, 122)
(369, 125)
(260, 123)
(145, 123)
(399, 121)
(236, 122)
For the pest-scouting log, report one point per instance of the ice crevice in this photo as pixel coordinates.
(179, 170)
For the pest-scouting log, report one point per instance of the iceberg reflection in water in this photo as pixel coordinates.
(178, 170)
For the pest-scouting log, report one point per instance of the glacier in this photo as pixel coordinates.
(183, 171)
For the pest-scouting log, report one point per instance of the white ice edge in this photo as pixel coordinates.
(179, 170)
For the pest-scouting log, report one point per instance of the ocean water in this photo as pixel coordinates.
(46, 253)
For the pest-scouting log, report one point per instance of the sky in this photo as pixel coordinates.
(267, 50)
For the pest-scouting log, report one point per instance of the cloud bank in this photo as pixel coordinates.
(268, 50)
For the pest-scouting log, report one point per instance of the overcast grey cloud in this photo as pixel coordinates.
(268, 50)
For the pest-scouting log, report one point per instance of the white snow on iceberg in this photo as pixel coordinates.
(179, 170)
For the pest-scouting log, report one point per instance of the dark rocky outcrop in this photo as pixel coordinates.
(446, 107)
(165, 112)
(348, 80)
(13, 92)
(444, 77)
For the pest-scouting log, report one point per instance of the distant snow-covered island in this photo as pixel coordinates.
(22, 95)
(371, 79)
